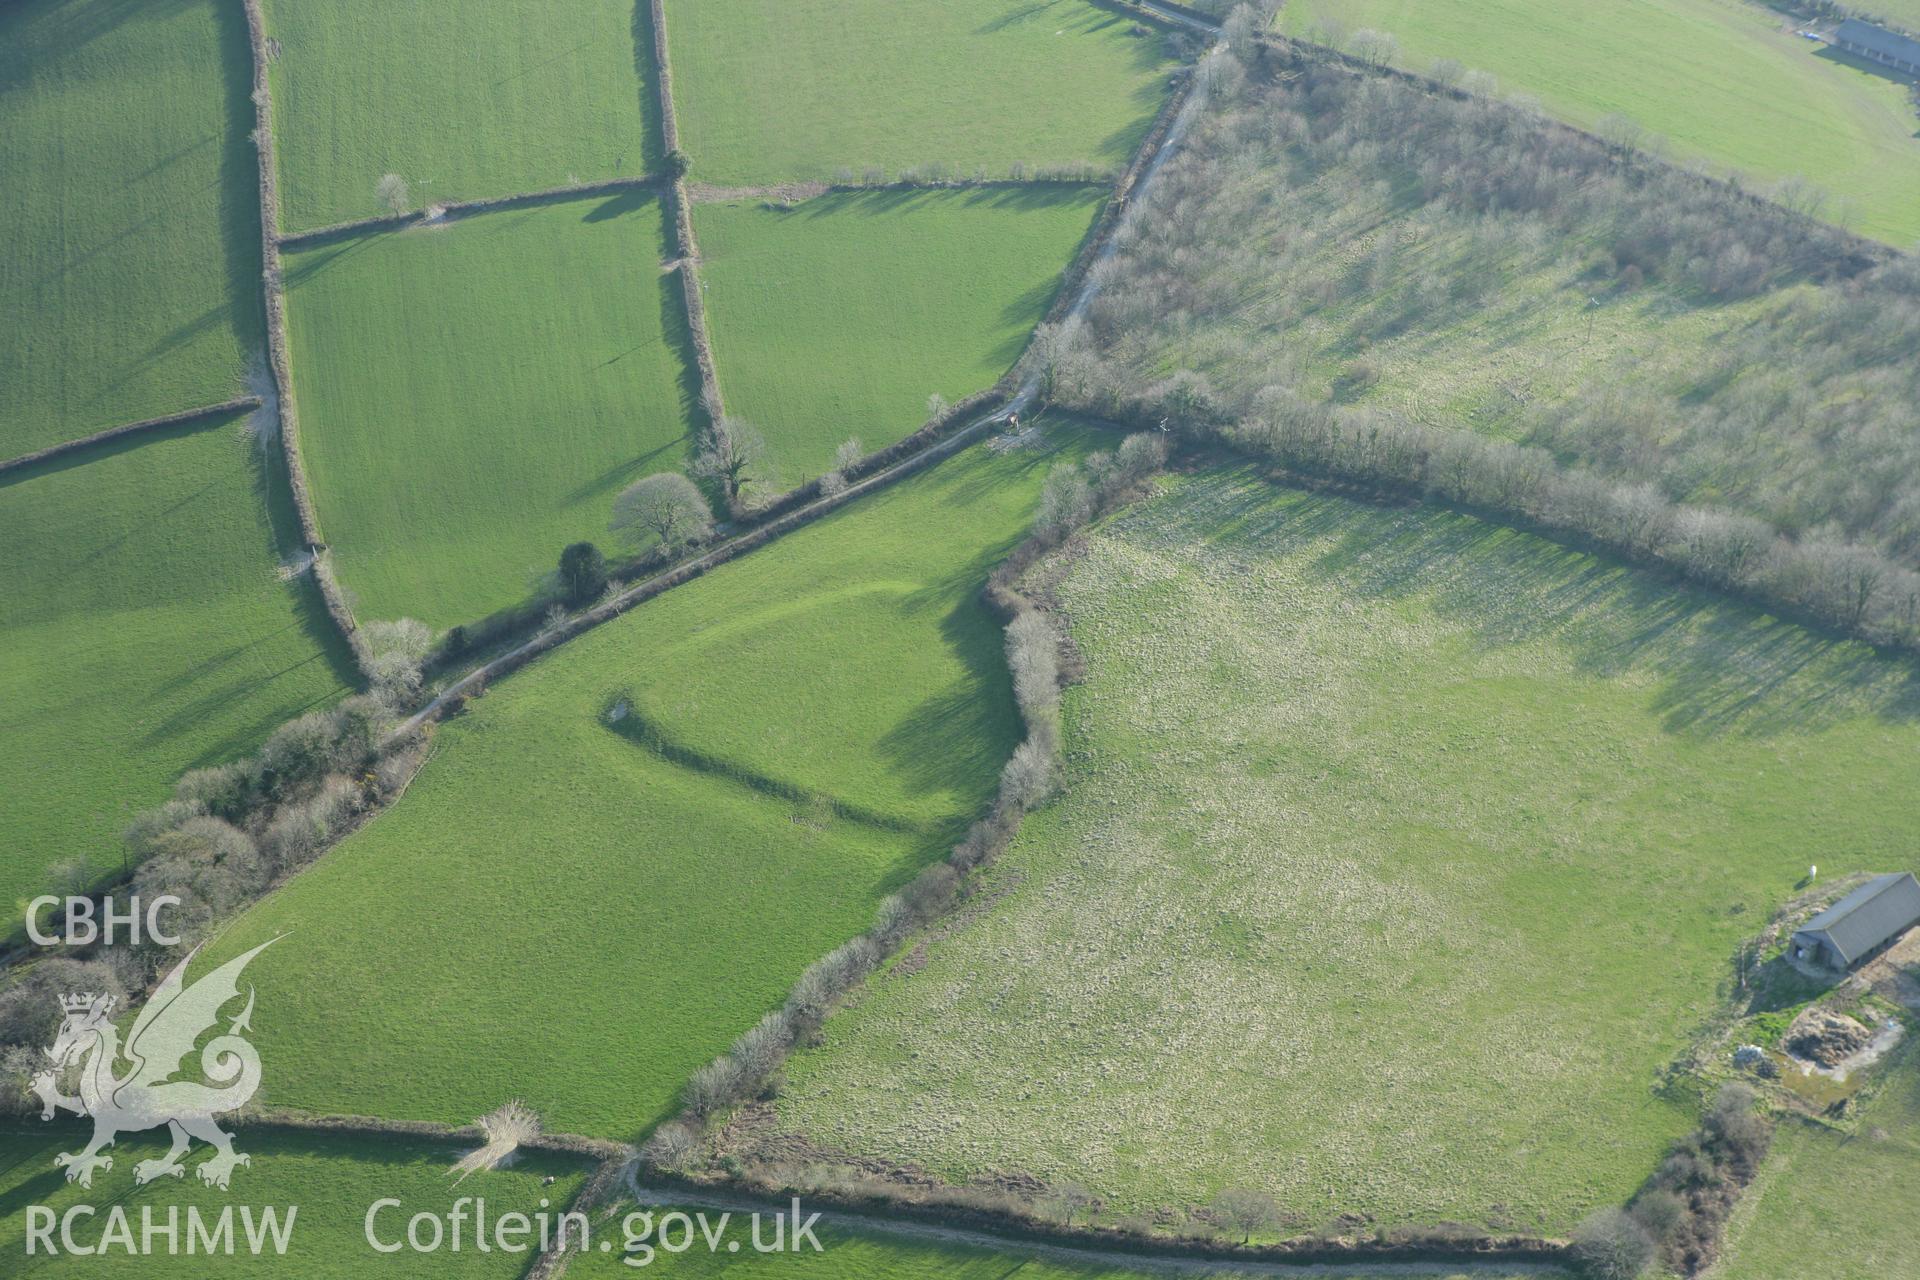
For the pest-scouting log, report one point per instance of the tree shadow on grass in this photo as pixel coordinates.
(957, 739)
(619, 205)
(237, 221)
(64, 26)
(1716, 666)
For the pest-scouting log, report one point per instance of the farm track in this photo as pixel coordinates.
(1086, 1255)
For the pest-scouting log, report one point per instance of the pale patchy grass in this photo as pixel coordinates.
(1400, 855)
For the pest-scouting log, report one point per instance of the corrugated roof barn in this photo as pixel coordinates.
(1860, 925)
(1879, 44)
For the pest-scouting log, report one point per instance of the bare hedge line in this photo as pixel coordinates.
(274, 292)
(611, 1159)
(466, 209)
(688, 266)
(995, 1212)
(239, 404)
(1855, 253)
(1840, 587)
(1861, 252)
(375, 1126)
(475, 682)
(1033, 645)
(929, 431)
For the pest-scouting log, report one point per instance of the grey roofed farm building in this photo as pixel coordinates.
(1860, 925)
(1881, 45)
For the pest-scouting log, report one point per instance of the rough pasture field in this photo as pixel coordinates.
(332, 1178)
(839, 315)
(464, 100)
(572, 910)
(775, 90)
(129, 272)
(1728, 84)
(143, 632)
(1399, 854)
(1837, 1204)
(473, 395)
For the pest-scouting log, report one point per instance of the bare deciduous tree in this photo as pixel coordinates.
(1610, 1245)
(392, 191)
(1245, 1211)
(1375, 48)
(668, 506)
(736, 456)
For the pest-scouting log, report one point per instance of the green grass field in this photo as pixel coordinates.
(328, 1180)
(473, 395)
(1837, 1204)
(143, 632)
(464, 100)
(771, 90)
(1903, 15)
(1726, 83)
(1400, 854)
(558, 911)
(130, 266)
(838, 316)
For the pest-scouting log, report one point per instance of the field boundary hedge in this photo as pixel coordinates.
(793, 193)
(453, 209)
(611, 1160)
(688, 265)
(455, 695)
(273, 290)
(239, 404)
(571, 1144)
(1848, 589)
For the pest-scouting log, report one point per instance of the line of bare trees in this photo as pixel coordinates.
(1784, 464)
(1842, 586)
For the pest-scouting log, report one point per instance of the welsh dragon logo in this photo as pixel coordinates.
(146, 1096)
